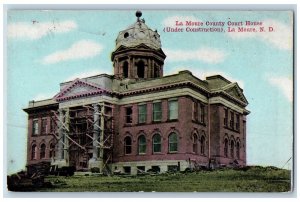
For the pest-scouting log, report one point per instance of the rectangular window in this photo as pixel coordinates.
(128, 116)
(226, 117)
(173, 109)
(35, 127)
(52, 125)
(44, 126)
(157, 112)
(202, 113)
(237, 125)
(231, 119)
(195, 111)
(142, 113)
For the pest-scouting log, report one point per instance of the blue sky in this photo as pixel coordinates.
(45, 48)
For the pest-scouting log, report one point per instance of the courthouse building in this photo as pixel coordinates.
(138, 119)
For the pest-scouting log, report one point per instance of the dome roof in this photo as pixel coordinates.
(138, 33)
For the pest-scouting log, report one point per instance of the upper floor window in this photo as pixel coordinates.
(157, 112)
(231, 120)
(128, 115)
(156, 71)
(156, 141)
(202, 113)
(127, 145)
(44, 126)
(52, 125)
(173, 142)
(173, 109)
(35, 127)
(141, 69)
(142, 144)
(226, 117)
(142, 113)
(125, 69)
(195, 111)
(237, 124)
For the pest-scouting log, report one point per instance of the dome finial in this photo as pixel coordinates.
(138, 14)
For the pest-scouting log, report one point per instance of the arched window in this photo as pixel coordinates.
(202, 145)
(238, 150)
(173, 142)
(232, 149)
(156, 71)
(195, 143)
(226, 148)
(43, 151)
(33, 152)
(52, 150)
(127, 145)
(125, 69)
(142, 144)
(141, 69)
(156, 141)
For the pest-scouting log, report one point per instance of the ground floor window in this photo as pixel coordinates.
(173, 142)
(232, 149)
(127, 145)
(226, 148)
(43, 151)
(202, 145)
(33, 152)
(156, 140)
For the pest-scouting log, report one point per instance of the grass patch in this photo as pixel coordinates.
(254, 179)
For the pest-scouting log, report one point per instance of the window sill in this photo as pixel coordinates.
(172, 152)
(232, 129)
(157, 153)
(172, 120)
(198, 122)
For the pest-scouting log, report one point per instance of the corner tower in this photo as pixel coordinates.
(138, 53)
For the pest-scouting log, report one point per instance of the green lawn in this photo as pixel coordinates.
(256, 179)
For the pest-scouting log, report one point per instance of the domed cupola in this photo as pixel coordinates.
(138, 53)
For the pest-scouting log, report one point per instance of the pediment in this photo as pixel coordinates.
(235, 91)
(78, 88)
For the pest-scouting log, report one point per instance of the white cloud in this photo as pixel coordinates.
(284, 84)
(43, 96)
(281, 37)
(202, 74)
(207, 54)
(170, 21)
(84, 74)
(37, 30)
(79, 50)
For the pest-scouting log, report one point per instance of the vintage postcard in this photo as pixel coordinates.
(180, 100)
